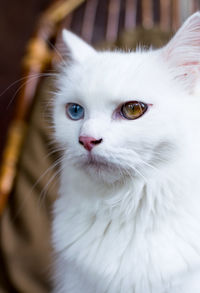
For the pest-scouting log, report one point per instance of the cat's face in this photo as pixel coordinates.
(121, 114)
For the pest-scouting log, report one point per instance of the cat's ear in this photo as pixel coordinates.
(183, 52)
(77, 48)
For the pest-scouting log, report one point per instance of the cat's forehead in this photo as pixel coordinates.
(114, 67)
(115, 77)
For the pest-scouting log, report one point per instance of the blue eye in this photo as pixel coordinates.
(74, 111)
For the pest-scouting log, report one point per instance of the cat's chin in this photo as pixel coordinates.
(102, 170)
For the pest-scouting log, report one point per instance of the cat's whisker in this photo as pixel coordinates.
(118, 166)
(126, 162)
(54, 165)
(41, 177)
(72, 157)
(57, 150)
(148, 165)
(45, 188)
(139, 159)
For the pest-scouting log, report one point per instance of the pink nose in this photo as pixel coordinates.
(89, 142)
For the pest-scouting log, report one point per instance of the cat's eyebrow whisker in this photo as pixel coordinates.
(27, 76)
(56, 51)
(22, 85)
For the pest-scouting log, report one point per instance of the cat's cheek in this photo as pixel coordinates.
(65, 133)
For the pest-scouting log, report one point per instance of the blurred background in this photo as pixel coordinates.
(17, 22)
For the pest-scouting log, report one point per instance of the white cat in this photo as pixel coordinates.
(128, 216)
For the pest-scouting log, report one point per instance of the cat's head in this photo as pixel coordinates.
(121, 114)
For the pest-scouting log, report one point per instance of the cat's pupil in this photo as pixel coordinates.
(76, 109)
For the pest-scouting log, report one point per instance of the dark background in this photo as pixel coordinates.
(17, 21)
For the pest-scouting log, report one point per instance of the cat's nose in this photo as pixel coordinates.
(89, 142)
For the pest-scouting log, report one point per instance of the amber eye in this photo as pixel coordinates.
(133, 110)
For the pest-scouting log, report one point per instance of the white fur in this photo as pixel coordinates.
(131, 224)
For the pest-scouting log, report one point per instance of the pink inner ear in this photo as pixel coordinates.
(182, 53)
(191, 63)
(184, 48)
(193, 68)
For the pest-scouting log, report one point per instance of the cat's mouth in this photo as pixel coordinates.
(99, 167)
(98, 163)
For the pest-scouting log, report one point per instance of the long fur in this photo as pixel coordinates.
(130, 221)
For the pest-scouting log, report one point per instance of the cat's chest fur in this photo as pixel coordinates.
(102, 252)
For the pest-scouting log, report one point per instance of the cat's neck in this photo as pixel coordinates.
(146, 202)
